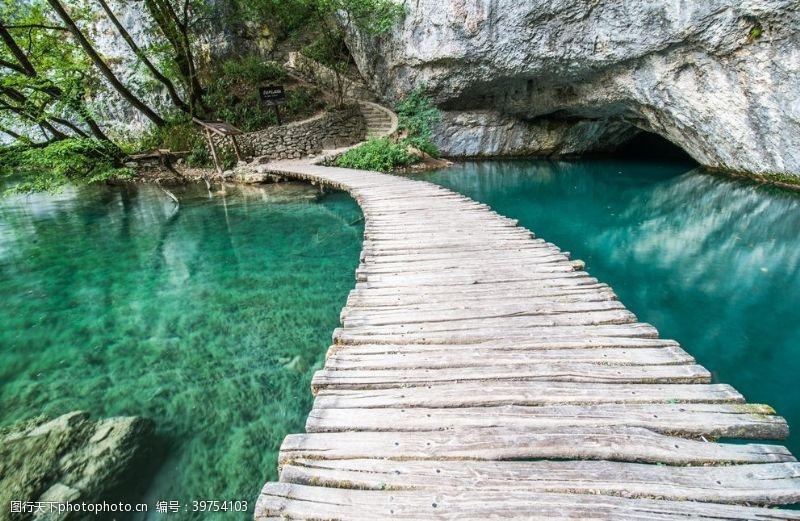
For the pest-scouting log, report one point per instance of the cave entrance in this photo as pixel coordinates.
(647, 145)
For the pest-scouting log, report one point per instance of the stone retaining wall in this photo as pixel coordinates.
(333, 129)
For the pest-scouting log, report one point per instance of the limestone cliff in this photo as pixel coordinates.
(719, 78)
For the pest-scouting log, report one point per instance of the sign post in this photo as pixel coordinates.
(273, 95)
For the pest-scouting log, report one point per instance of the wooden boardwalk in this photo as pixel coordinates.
(481, 374)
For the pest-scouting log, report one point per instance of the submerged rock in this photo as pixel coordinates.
(69, 459)
(716, 77)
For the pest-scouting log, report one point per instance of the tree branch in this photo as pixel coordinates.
(15, 49)
(38, 26)
(87, 47)
(173, 93)
(13, 66)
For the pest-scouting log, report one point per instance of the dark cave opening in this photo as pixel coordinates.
(647, 145)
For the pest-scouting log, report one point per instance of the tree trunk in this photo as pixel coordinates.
(15, 49)
(173, 93)
(87, 47)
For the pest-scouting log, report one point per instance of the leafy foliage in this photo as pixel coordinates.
(45, 90)
(73, 160)
(382, 155)
(233, 94)
(416, 115)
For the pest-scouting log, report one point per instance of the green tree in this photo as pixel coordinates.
(178, 22)
(42, 78)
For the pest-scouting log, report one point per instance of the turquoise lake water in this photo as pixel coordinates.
(711, 262)
(209, 320)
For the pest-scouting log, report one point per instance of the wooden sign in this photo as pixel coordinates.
(272, 94)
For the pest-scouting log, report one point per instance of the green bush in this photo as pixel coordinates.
(74, 160)
(416, 114)
(251, 69)
(382, 155)
(179, 135)
(198, 155)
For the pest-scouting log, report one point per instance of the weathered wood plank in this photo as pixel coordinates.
(488, 305)
(514, 344)
(765, 484)
(637, 330)
(613, 443)
(357, 317)
(551, 372)
(343, 359)
(434, 297)
(482, 394)
(417, 323)
(750, 421)
(291, 501)
(467, 279)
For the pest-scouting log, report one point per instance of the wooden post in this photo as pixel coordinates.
(277, 113)
(213, 151)
(236, 148)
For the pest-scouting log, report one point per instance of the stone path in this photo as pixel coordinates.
(381, 122)
(480, 373)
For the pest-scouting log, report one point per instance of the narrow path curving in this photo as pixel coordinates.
(480, 373)
(381, 122)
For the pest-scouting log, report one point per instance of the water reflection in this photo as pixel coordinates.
(710, 261)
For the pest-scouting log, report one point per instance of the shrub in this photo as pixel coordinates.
(382, 155)
(416, 115)
(74, 160)
(178, 135)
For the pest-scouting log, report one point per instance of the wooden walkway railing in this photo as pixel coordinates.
(480, 374)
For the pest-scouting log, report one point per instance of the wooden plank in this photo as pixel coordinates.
(571, 283)
(751, 421)
(528, 279)
(635, 330)
(613, 443)
(343, 359)
(468, 295)
(378, 318)
(765, 484)
(514, 344)
(551, 372)
(430, 323)
(495, 305)
(291, 501)
(482, 394)
(464, 263)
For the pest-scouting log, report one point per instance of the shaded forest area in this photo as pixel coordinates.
(53, 75)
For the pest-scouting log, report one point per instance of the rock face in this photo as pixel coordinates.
(716, 77)
(69, 459)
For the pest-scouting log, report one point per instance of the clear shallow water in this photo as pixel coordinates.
(210, 320)
(711, 262)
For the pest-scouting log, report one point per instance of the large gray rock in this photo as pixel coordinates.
(717, 77)
(70, 459)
